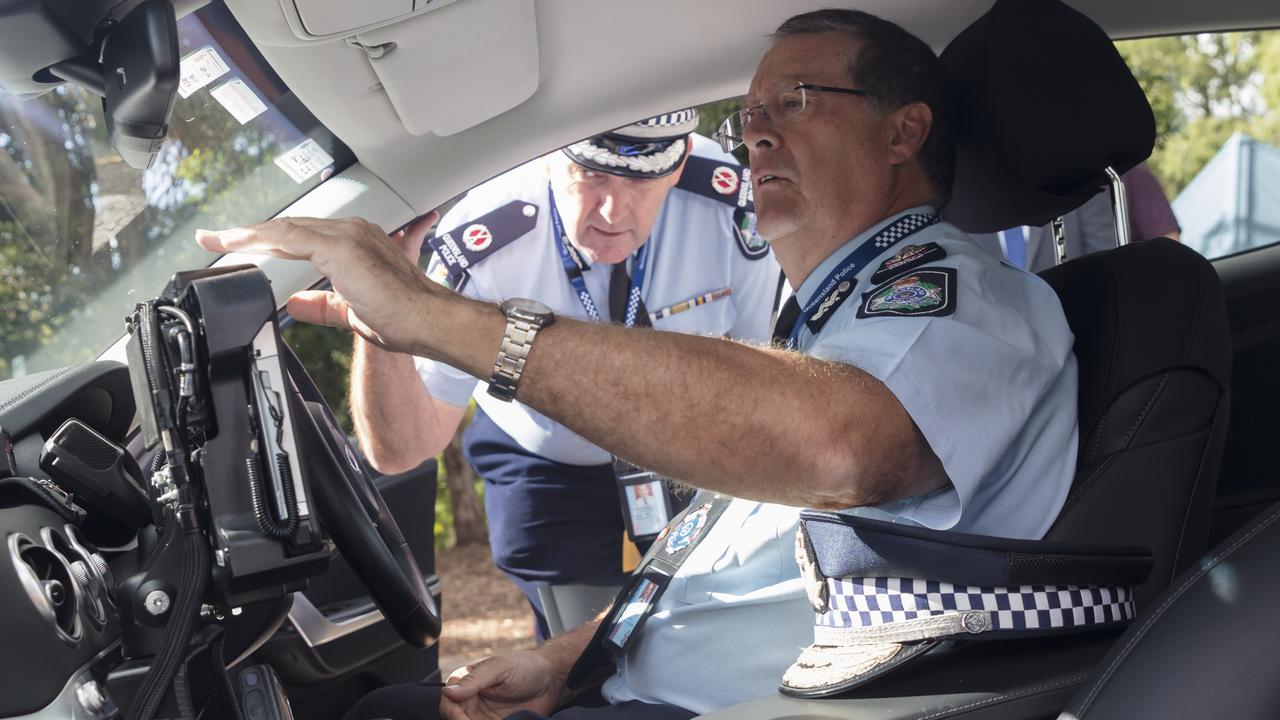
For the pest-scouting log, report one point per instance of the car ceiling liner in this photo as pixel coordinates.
(444, 66)
(1039, 116)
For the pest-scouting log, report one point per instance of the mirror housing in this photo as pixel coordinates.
(137, 79)
(140, 77)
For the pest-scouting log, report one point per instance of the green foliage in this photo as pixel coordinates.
(1203, 89)
(83, 236)
(326, 353)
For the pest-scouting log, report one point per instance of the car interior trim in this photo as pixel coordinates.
(316, 629)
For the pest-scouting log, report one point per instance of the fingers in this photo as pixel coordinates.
(320, 308)
(410, 238)
(466, 682)
(277, 238)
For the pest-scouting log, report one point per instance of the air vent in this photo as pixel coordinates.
(79, 562)
(97, 563)
(47, 580)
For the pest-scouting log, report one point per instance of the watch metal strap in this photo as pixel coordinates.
(512, 354)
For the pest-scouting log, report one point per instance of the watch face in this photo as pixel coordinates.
(525, 305)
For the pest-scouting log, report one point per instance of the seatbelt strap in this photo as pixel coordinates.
(639, 597)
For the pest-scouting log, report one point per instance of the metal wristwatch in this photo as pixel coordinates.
(525, 318)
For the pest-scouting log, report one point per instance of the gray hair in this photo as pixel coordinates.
(895, 68)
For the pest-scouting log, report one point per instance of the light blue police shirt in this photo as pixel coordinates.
(992, 387)
(693, 250)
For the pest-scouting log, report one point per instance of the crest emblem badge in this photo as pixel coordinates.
(923, 292)
(688, 530)
(724, 180)
(477, 237)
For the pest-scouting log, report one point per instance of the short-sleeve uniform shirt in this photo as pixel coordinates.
(697, 247)
(980, 355)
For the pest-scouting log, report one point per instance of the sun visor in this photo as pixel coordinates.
(453, 68)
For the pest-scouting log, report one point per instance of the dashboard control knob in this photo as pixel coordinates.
(91, 698)
(100, 564)
(80, 572)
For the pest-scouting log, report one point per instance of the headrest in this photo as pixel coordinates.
(1042, 105)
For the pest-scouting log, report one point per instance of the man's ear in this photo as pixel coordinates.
(910, 128)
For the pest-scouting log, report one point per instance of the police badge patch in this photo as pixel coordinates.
(683, 536)
(923, 292)
(750, 243)
(911, 256)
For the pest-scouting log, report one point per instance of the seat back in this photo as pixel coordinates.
(1150, 322)
(1210, 647)
(1154, 353)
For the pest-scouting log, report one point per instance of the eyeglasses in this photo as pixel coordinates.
(776, 108)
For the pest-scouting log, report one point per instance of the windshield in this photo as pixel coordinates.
(83, 236)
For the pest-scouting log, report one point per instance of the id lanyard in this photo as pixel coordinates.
(854, 262)
(573, 269)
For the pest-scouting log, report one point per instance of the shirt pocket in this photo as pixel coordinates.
(752, 553)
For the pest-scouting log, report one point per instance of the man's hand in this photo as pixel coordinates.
(411, 237)
(496, 687)
(375, 286)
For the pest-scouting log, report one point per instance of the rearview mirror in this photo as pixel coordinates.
(140, 69)
(137, 79)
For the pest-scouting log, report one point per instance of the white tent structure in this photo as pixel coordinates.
(1233, 204)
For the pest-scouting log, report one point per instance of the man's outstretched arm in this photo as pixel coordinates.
(399, 424)
(755, 422)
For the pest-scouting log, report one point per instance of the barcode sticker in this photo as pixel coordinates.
(239, 100)
(304, 161)
(199, 69)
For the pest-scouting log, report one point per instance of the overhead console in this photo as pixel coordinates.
(445, 65)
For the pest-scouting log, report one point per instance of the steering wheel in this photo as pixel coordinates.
(358, 519)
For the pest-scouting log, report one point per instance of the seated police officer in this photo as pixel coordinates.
(894, 399)
(648, 225)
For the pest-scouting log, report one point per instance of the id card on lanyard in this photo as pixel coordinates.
(646, 500)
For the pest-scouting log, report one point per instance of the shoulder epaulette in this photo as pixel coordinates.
(724, 182)
(464, 246)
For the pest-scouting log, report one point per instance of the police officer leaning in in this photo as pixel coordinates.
(647, 225)
(894, 401)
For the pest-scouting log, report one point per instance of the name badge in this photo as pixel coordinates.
(646, 501)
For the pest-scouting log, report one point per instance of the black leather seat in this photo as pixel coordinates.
(1208, 648)
(1154, 352)
(1152, 339)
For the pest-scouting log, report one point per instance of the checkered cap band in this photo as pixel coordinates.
(667, 126)
(872, 602)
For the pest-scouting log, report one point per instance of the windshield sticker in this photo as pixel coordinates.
(304, 161)
(199, 69)
(239, 100)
